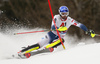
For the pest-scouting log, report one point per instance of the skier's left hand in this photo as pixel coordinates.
(91, 33)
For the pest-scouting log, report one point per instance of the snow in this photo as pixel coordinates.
(87, 51)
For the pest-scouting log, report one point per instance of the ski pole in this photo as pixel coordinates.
(55, 24)
(97, 35)
(30, 32)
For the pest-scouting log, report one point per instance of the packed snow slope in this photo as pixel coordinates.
(85, 51)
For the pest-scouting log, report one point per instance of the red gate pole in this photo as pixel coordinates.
(55, 24)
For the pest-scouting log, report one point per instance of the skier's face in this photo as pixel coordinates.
(64, 15)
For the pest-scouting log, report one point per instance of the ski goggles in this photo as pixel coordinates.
(63, 14)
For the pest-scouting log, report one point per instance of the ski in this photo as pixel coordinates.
(41, 51)
(18, 56)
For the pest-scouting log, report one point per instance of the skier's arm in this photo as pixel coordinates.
(83, 27)
(80, 25)
(52, 25)
(88, 31)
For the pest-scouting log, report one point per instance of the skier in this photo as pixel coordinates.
(51, 40)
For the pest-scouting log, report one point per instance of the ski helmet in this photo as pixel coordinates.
(63, 9)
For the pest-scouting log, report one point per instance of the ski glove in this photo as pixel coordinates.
(91, 33)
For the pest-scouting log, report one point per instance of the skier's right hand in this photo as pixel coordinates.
(91, 33)
(61, 29)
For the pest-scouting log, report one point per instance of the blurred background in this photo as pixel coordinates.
(36, 13)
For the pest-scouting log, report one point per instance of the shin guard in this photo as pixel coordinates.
(54, 44)
(30, 48)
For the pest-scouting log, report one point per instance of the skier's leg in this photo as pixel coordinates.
(54, 41)
(25, 53)
(41, 43)
(44, 41)
(54, 44)
(30, 48)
